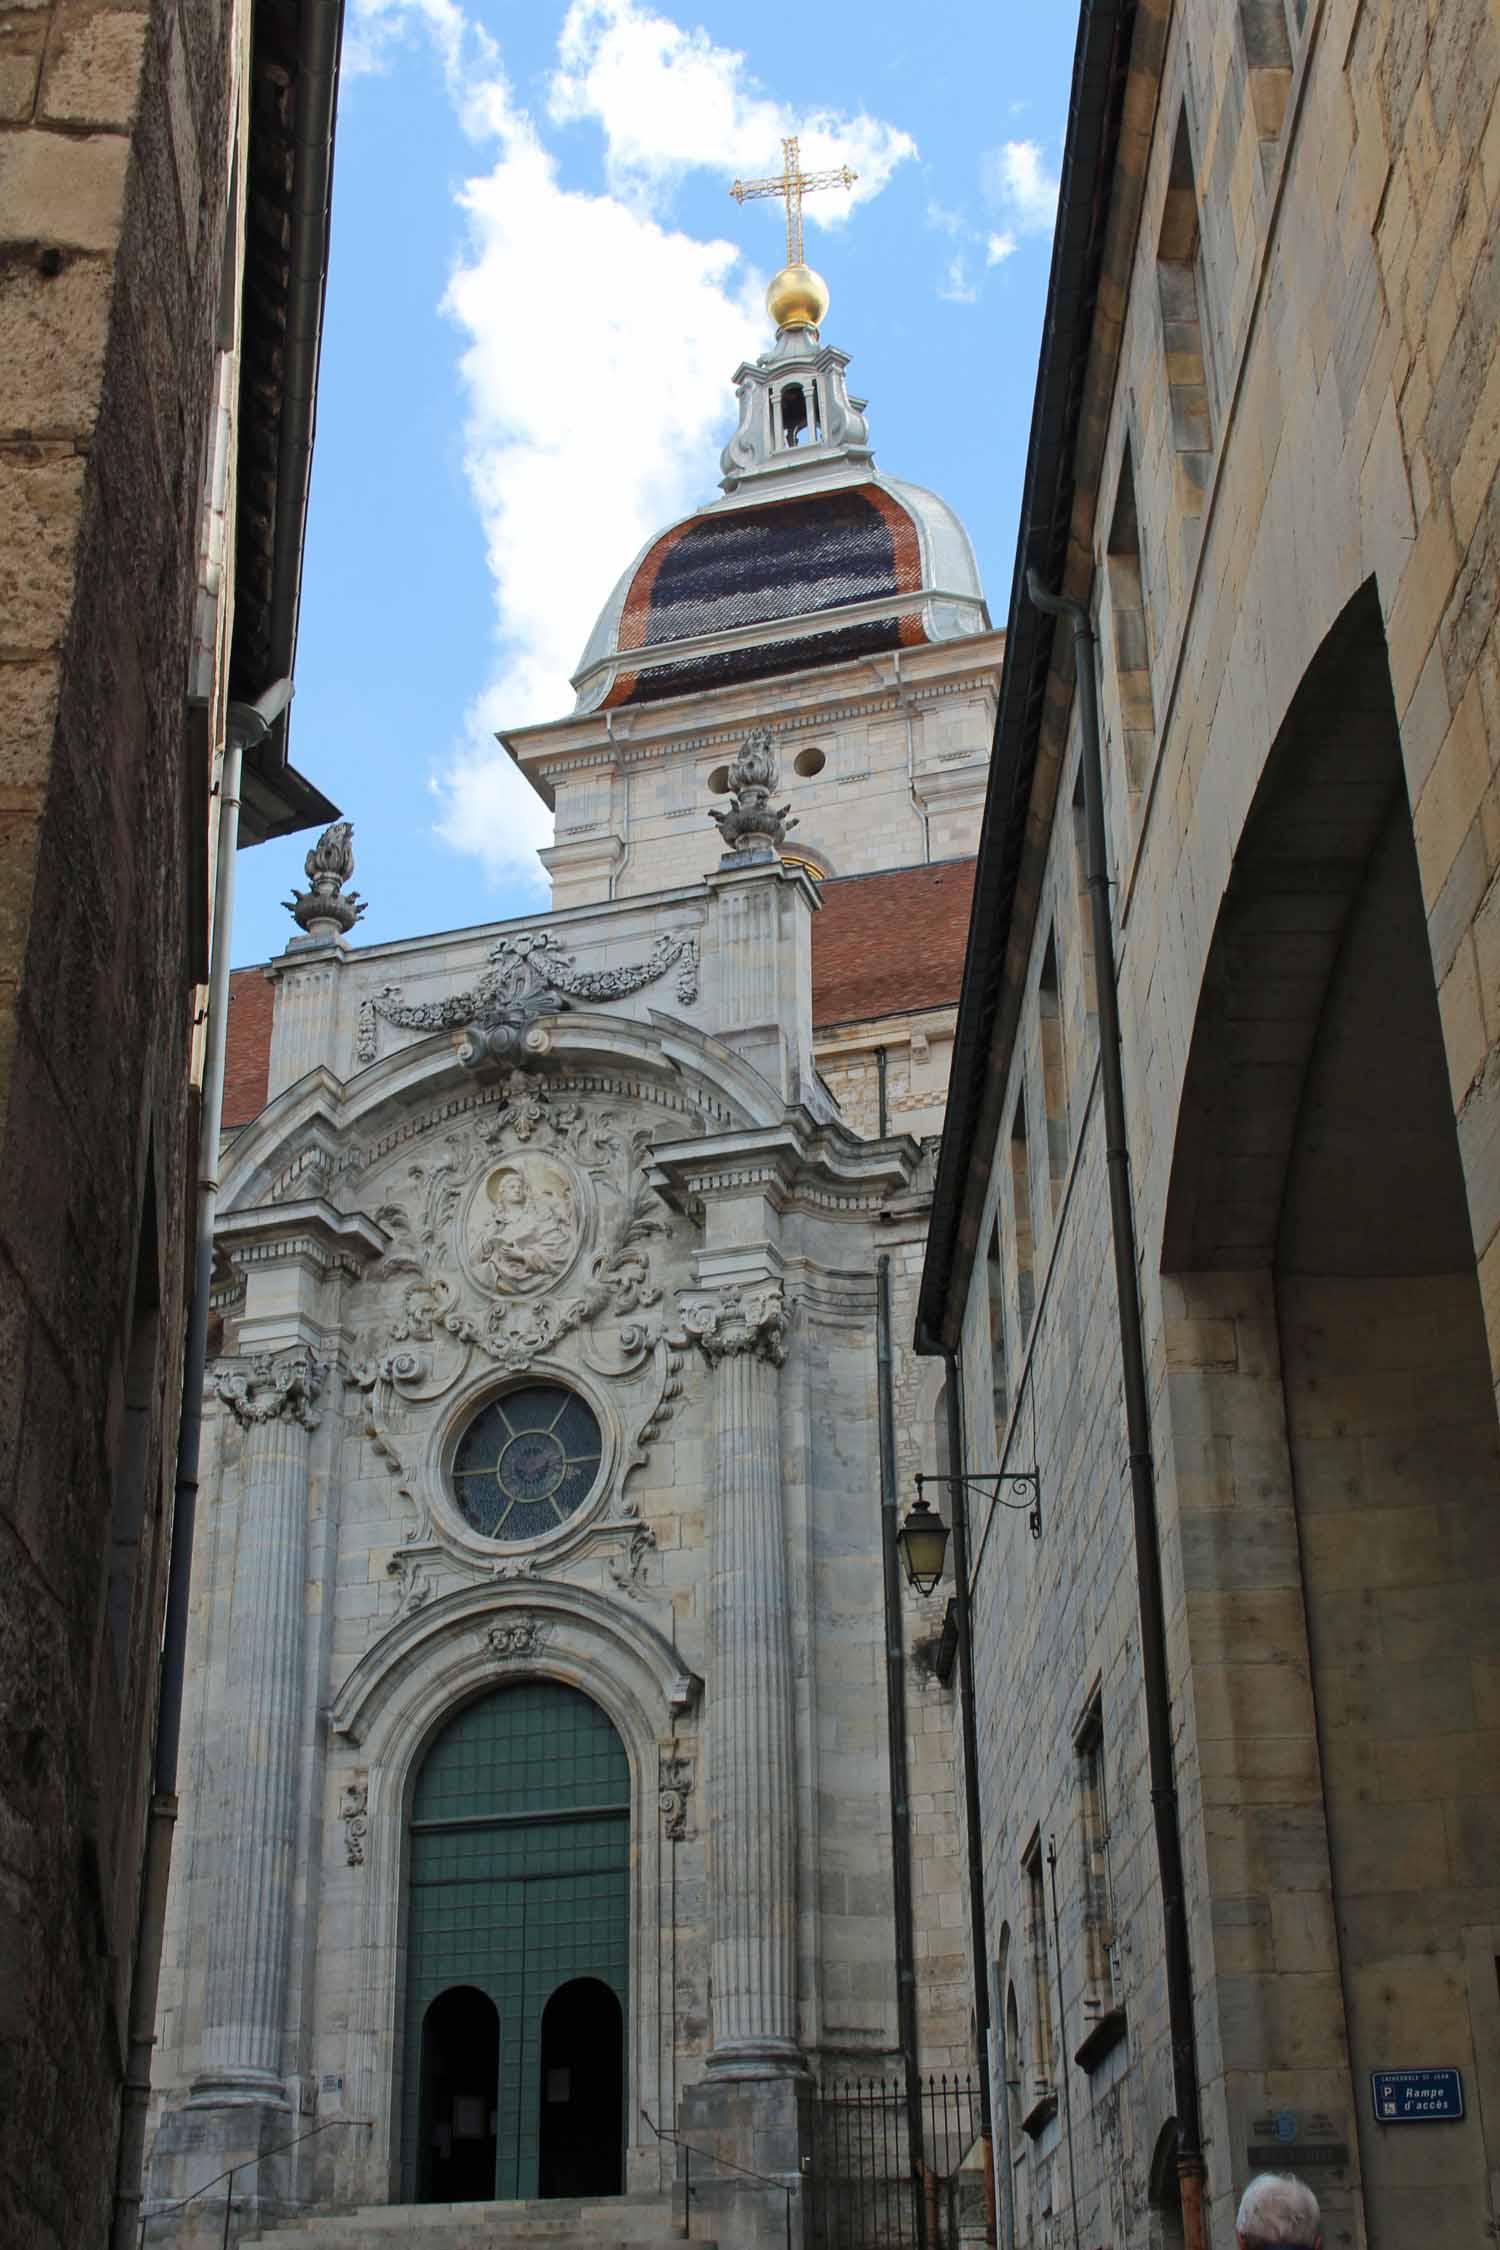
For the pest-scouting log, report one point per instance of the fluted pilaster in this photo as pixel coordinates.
(273, 1397)
(751, 1783)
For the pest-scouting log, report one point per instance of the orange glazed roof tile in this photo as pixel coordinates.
(890, 943)
(247, 1045)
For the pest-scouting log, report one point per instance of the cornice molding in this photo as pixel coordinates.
(304, 1227)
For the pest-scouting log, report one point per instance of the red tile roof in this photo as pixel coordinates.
(886, 944)
(247, 1045)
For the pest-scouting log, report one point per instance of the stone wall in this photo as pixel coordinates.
(1286, 436)
(113, 140)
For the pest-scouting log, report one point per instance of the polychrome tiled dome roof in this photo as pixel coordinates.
(812, 557)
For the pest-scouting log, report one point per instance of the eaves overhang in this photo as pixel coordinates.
(1085, 192)
(288, 199)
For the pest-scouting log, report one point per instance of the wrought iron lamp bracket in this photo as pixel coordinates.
(1027, 1483)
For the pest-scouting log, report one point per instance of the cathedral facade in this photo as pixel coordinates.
(542, 1728)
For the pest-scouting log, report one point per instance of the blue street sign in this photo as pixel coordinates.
(1417, 2097)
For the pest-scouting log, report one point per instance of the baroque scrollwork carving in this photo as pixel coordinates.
(355, 1815)
(414, 1579)
(733, 1320)
(528, 975)
(674, 1786)
(627, 1564)
(273, 1386)
(516, 1640)
(524, 1227)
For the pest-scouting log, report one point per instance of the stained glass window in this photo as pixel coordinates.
(526, 1462)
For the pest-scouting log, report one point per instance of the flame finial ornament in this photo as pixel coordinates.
(753, 828)
(326, 908)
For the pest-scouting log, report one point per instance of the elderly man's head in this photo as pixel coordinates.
(1275, 2210)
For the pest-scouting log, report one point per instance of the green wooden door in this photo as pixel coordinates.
(518, 1881)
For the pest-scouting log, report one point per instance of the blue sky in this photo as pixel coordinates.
(539, 291)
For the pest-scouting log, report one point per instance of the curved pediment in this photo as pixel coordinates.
(504, 1627)
(321, 1128)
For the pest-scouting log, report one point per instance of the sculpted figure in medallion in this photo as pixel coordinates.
(530, 1236)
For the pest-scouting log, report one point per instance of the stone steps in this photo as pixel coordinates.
(617, 2222)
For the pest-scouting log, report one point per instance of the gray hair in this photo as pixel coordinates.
(1277, 2207)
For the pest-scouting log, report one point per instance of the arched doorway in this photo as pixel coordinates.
(517, 1885)
(581, 2143)
(1335, 1457)
(460, 2096)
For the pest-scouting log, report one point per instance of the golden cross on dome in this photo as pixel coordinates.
(793, 183)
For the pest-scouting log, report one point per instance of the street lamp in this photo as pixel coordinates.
(923, 1541)
(1026, 1483)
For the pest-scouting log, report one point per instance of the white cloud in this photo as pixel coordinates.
(944, 221)
(669, 100)
(999, 247)
(955, 285)
(598, 343)
(377, 29)
(1016, 176)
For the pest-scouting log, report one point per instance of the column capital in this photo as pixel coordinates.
(730, 1322)
(272, 1387)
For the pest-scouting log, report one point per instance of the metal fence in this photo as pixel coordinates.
(866, 2193)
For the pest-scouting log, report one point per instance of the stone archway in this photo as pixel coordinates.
(517, 1881)
(1334, 1466)
(387, 1716)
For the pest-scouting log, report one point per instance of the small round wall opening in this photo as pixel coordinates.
(809, 762)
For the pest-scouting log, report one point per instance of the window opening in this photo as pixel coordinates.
(1100, 1981)
(1085, 903)
(1014, 2080)
(1179, 274)
(527, 1462)
(994, 1273)
(1020, 1180)
(1043, 2102)
(1054, 1069)
(794, 416)
(1130, 630)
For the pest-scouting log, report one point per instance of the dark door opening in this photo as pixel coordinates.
(583, 2091)
(460, 2097)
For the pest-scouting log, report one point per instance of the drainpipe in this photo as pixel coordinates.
(882, 1061)
(895, 1712)
(1164, 1807)
(978, 1943)
(247, 725)
(911, 764)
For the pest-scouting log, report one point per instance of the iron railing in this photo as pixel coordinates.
(689, 2149)
(246, 2164)
(866, 2192)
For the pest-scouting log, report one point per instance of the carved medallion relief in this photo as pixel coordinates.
(525, 1225)
(523, 1253)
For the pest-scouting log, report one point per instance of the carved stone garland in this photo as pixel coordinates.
(529, 976)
